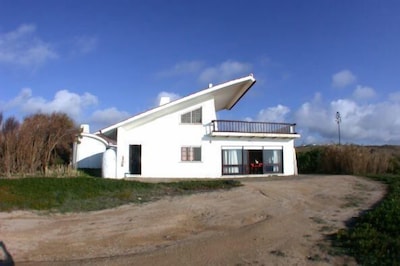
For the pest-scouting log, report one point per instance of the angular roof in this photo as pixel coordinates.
(226, 95)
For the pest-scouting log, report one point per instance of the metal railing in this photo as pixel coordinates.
(252, 127)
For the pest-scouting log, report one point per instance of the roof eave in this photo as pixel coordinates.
(239, 96)
(210, 90)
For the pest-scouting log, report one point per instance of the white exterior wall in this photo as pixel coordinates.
(88, 153)
(161, 141)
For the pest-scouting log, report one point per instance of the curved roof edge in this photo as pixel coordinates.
(98, 138)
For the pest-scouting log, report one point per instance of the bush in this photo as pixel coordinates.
(346, 159)
(308, 162)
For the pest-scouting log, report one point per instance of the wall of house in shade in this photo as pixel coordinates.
(88, 151)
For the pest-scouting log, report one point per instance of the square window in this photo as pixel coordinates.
(191, 154)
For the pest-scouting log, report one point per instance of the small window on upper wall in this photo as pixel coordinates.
(193, 117)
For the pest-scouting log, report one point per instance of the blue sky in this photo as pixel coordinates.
(101, 61)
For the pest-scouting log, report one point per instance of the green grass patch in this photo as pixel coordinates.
(89, 193)
(374, 237)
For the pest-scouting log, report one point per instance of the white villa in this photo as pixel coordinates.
(185, 139)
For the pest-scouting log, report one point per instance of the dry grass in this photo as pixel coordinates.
(349, 159)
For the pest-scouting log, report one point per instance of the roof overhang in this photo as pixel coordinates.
(230, 93)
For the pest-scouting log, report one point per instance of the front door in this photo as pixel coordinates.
(135, 159)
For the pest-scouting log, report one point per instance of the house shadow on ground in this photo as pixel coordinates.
(5, 256)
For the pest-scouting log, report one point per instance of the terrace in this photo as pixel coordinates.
(252, 129)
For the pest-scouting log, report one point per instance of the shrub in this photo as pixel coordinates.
(346, 159)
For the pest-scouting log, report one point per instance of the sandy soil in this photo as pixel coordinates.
(268, 221)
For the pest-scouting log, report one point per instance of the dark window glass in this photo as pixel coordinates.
(193, 117)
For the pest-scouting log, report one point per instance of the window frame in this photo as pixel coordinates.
(193, 117)
(272, 160)
(188, 154)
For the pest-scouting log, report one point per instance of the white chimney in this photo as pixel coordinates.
(85, 128)
(164, 100)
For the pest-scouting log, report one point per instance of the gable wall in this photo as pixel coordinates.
(161, 141)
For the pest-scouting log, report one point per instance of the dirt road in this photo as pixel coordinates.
(268, 221)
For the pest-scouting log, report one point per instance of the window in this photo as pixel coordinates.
(193, 117)
(232, 162)
(251, 160)
(273, 161)
(190, 154)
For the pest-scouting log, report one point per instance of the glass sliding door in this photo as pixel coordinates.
(252, 160)
(232, 161)
(272, 161)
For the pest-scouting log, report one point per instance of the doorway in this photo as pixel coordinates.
(135, 159)
(255, 161)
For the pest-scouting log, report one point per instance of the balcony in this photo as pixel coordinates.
(253, 129)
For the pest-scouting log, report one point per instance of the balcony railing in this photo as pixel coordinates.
(252, 127)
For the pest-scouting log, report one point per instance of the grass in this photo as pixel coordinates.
(374, 237)
(88, 193)
(351, 201)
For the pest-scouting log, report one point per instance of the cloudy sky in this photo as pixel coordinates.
(101, 61)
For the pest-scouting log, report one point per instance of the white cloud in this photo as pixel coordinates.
(64, 101)
(106, 117)
(363, 92)
(395, 96)
(22, 47)
(343, 79)
(172, 97)
(273, 114)
(361, 123)
(224, 71)
(74, 105)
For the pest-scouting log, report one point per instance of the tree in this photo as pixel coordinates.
(44, 134)
(61, 132)
(40, 141)
(9, 144)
